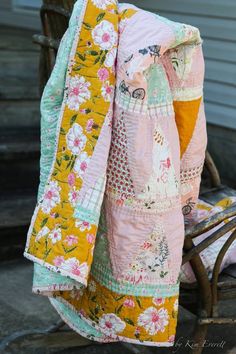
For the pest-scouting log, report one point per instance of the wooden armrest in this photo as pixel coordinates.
(231, 225)
(46, 41)
(211, 222)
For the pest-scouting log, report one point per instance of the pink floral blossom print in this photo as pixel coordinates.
(171, 339)
(83, 225)
(102, 4)
(75, 139)
(55, 235)
(71, 240)
(158, 301)
(90, 238)
(81, 164)
(110, 324)
(129, 303)
(58, 261)
(73, 196)
(89, 126)
(103, 74)
(72, 265)
(71, 179)
(78, 92)
(51, 197)
(104, 35)
(107, 91)
(154, 320)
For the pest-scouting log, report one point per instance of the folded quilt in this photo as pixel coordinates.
(123, 137)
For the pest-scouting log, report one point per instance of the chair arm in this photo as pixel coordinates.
(211, 222)
(46, 41)
(217, 266)
(212, 169)
(195, 250)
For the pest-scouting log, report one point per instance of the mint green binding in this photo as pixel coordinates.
(85, 214)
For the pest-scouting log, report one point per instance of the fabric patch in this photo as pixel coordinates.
(118, 172)
(186, 115)
(140, 319)
(163, 181)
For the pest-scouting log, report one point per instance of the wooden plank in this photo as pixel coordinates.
(16, 211)
(218, 8)
(22, 79)
(17, 39)
(221, 72)
(18, 146)
(5, 4)
(23, 64)
(20, 19)
(19, 113)
(221, 115)
(220, 93)
(18, 89)
(222, 50)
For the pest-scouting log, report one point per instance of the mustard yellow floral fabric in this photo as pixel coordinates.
(56, 237)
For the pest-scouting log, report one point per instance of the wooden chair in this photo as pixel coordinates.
(201, 297)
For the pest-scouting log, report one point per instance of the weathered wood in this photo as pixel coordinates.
(204, 8)
(211, 222)
(217, 266)
(19, 114)
(230, 226)
(214, 174)
(18, 88)
(217, 320)
(46, 42)
(24, 65)
(18, 147)
(16, 210)
(21, 81)
(19, 40)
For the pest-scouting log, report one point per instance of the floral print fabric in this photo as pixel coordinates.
(88, 97)
(105, 250)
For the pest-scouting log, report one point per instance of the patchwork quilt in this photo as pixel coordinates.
(123, 139)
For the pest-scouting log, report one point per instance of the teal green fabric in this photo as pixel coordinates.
(74, 319)
(157, 83)
(84, 214)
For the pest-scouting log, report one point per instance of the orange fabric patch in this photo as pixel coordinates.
(186, 114)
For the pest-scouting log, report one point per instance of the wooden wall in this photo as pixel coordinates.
(19, 97)
(18, 18)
